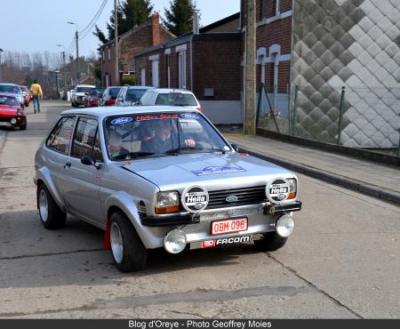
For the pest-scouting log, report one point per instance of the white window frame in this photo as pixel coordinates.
(155, 73)
(182, 72)
(143, 76)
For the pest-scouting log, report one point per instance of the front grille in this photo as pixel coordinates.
(245, 196)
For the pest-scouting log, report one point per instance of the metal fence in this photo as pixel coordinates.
(356, 117)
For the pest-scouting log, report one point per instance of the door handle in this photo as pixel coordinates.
(67, 165)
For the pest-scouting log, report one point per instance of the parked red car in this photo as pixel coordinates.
(94, 97)
(27, 95)
(110, 96)
(12, 112)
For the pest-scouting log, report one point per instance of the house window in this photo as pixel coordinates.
(263, 8)
(155, 65)
(182, 69)
(275, 7)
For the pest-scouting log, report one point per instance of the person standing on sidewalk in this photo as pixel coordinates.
(37, 93)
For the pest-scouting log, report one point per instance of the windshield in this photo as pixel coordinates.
(134, 95)
(9, 89)
(83, 89)
(114, 92)
(177, 99)
(8, 100)
(96, 92)
(161, 134)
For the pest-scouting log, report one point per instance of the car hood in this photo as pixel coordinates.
(6, 109)
(208, 170)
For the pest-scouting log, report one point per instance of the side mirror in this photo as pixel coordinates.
(236, 147)
(87, 160)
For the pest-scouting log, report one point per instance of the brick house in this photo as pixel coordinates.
(273, 35)
(148, 34)
(206, 61)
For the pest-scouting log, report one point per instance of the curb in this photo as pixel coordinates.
(351, 184)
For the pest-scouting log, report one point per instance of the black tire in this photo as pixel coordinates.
(271, 242)
(55, 217)
(133, 256)
(23, 127)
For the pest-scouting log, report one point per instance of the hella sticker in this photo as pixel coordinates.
(195, 199)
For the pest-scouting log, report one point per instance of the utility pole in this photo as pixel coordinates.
(116, 82)
(250, 70)
(1, 51)
(78, 76)
(78, 69)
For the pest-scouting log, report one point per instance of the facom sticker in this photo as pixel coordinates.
(215, 170)
(121, 121)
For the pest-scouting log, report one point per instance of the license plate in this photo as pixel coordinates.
(229, 226)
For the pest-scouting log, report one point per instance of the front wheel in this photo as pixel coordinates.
(272, 241)
(127, 249)
(23, 126)
(51, 216)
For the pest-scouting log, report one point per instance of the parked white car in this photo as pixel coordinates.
(79, 94)
(171, 97)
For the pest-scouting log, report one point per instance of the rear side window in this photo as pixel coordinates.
(176, 99)
(86, 141)
(60, 138)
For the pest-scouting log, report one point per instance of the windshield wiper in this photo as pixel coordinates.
(132, 155)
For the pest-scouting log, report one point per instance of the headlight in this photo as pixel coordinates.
(292, 188)
(167, 202)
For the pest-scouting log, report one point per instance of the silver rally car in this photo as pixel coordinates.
(154, 177)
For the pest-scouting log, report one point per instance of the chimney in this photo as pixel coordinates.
(196, 29)
(155, 28)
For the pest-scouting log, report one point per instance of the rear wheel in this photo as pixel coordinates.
(51, 216)
(272, 241)
(127, 249)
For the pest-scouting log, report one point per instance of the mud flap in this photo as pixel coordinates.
(106, 240)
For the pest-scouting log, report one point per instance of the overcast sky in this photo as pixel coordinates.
(40, 25)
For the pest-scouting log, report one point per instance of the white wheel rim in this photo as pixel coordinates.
(117, 246)
(43, 206)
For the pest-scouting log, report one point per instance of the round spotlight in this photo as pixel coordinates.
(285, 226)
(175, 242)
(13, 121)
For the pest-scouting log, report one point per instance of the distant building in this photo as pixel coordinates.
(148, 34)
(206, 61)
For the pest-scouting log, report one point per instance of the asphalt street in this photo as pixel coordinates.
(343, 260)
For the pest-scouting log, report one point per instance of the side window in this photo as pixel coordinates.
(60, 138)
(86, 141)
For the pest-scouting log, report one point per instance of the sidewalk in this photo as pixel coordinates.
(367, 177)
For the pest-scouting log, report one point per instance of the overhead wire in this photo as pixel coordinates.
(85, 32)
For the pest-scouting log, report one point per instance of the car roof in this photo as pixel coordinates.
(8, 84)
(139, 87)
(88, 86)
(103, 112)
(168, 90)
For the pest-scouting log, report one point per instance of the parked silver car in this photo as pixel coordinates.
(131, 95)
(154, 177)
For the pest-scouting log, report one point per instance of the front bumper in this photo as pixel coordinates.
(197, 228)
(14, 121)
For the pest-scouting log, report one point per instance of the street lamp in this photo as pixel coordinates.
(64, 69)
(1, 51)
(77, 49)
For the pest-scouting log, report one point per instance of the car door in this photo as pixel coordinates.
(57, 150)
(82, 189)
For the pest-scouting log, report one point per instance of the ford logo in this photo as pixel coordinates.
(232, 199)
